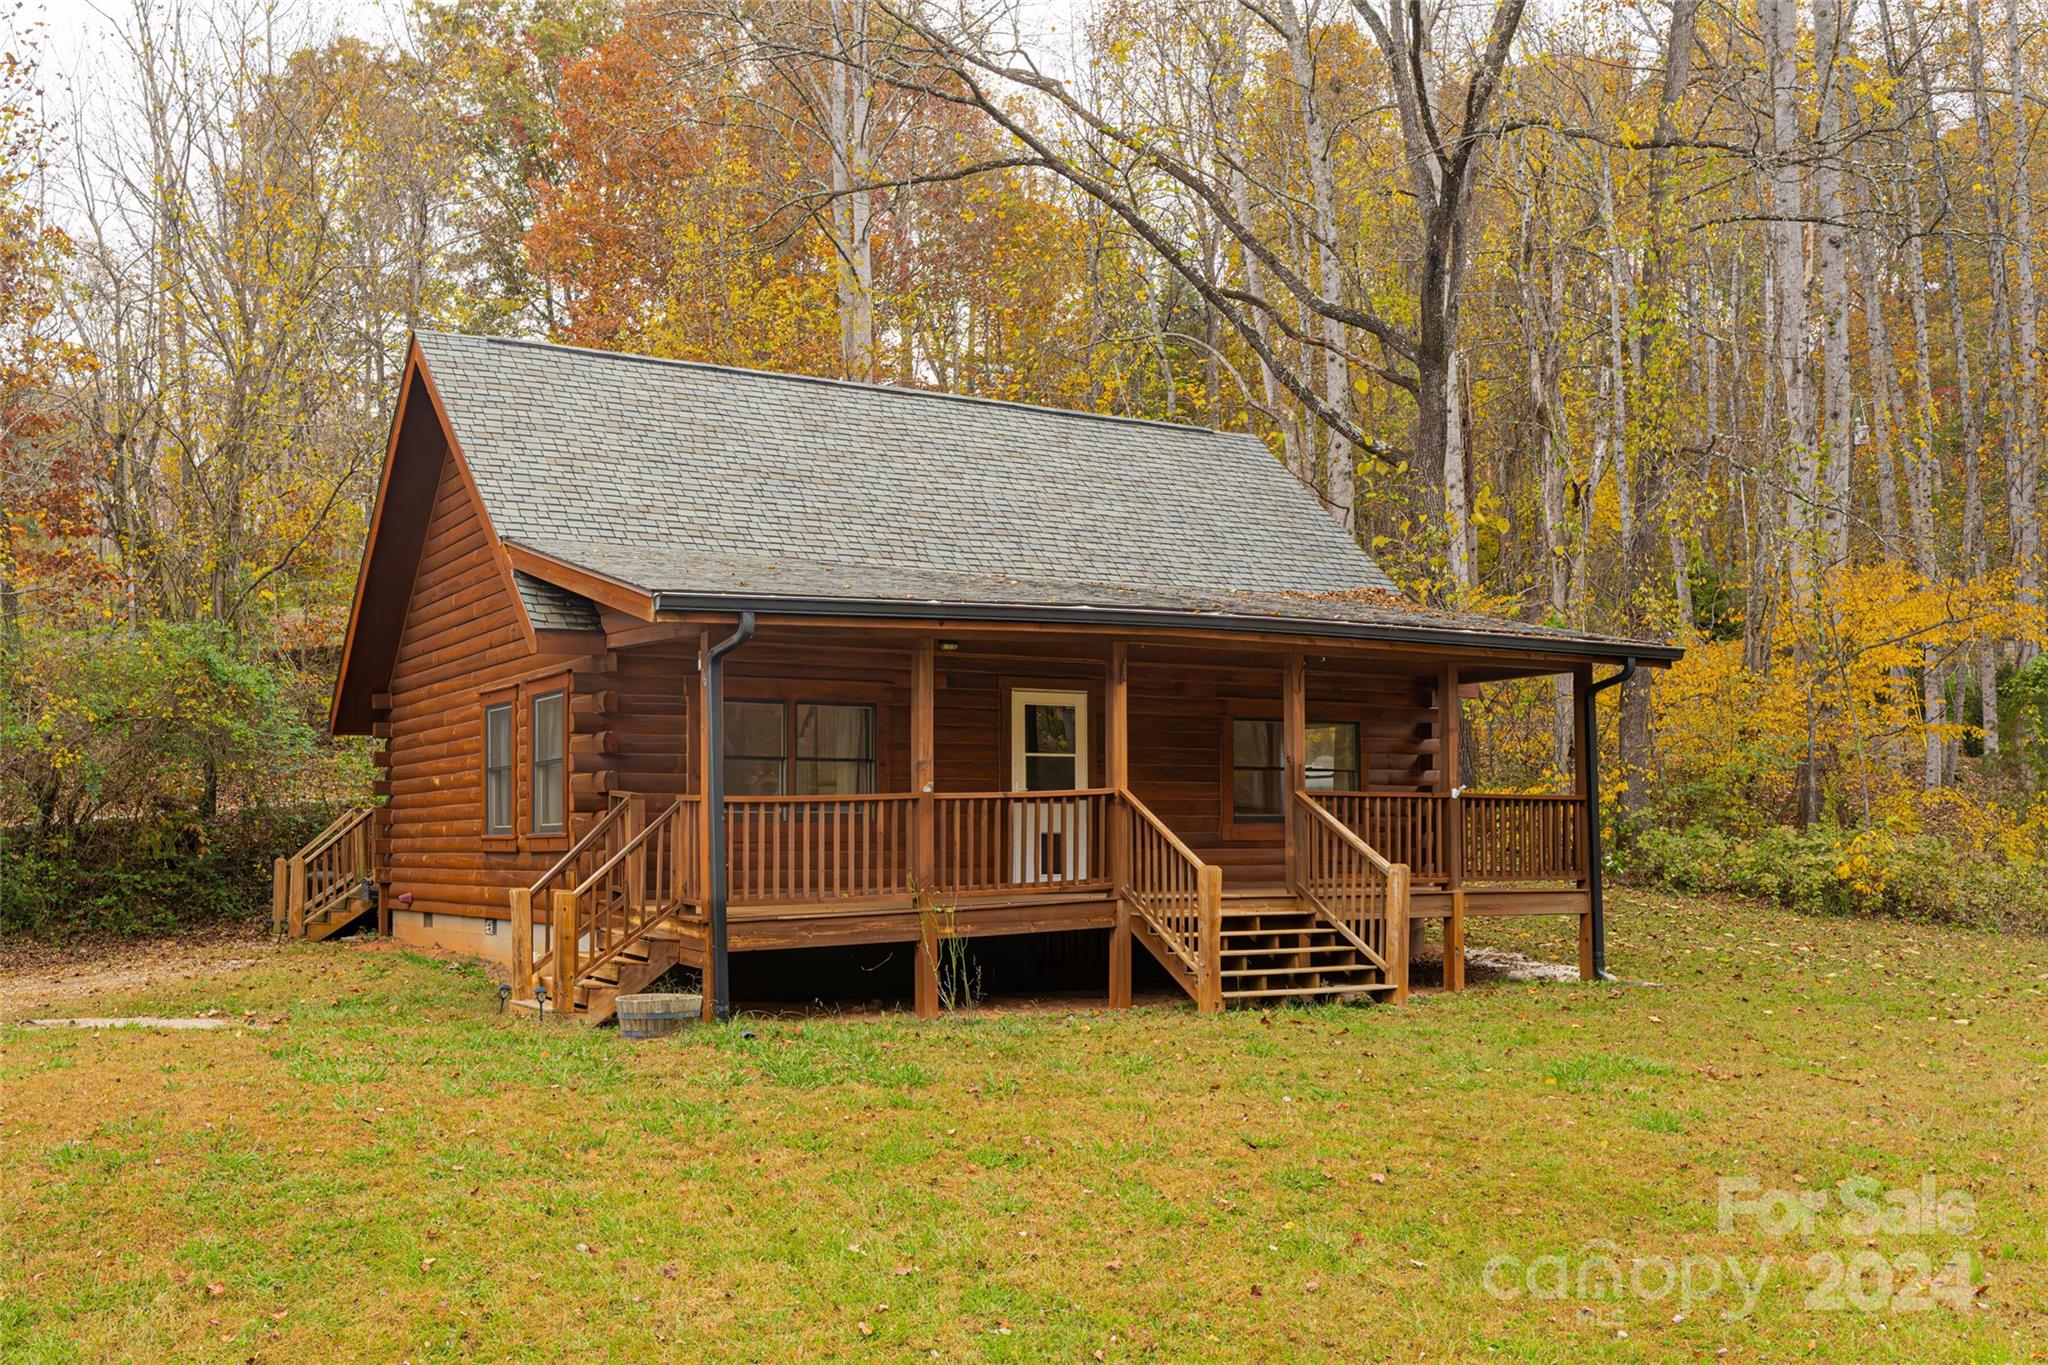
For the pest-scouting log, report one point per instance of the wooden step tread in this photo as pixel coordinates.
(1329, 969)
(1240, 936)
(1298, 992)
(1329, 953)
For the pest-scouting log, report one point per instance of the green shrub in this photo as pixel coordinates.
(1830, 870)
(146, 722)
(147, 876)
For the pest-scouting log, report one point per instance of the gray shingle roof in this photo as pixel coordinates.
(687, 480)
(593, 447)
(550, 607)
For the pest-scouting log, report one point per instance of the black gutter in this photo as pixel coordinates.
(886, 608)
(714, 807)
(1589, 726)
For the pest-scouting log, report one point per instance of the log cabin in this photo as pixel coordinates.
(673, 664)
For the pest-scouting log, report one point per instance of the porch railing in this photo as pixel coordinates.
(790, 849)
(642, 884)
(1405, 827)
(1523, 838)
(324, 874)
(987, 843)
(1469, 837)
(1180, 897)
(591, 850)
(1354, 887)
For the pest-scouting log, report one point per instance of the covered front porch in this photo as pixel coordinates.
(1268, 821)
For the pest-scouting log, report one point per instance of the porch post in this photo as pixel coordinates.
(699, 780)
(1293, 748)
(924, 853)
(1588, 840)
(1116, 742)
(522, 942)
(1451, 732)
(717, 978)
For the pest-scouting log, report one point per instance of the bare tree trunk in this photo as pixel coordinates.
(1619, 304)
(2015, 438)
(1543, 303)
(1837, 454)
(848, 109)
(1338, 461)
(1780, 23)
(1457, 496)
(1883, 396)
(2027, 527)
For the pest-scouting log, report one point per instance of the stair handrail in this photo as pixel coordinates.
(1168, 909)
(526, 967)
(650, 856)
(293, 897)
(1394, 899)
(336, 828)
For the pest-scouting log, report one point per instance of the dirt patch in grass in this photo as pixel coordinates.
(34, 976)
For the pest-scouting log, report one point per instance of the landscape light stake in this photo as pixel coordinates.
(540, 998)
(504, 994)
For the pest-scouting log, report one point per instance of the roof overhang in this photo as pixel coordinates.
(1568, 647)
(391, 551)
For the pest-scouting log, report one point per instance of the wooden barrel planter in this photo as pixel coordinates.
(656, 1016)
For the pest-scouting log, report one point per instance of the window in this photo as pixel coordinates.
(756, 749)
(1257, 775)
(1255, 770)
(1051, 742)
(549, 768)
(835, 749)
(774, 748)
(498, 768)
(1331, 763)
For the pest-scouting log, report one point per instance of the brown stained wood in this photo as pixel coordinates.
(612, 593)
(902, 922)
(522, 941)
(924, 784)
(1117, 765)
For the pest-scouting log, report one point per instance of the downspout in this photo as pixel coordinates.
(1596, 858)
(714, 806)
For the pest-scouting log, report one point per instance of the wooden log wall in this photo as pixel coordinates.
(1180, 716)
(462, 638)
(631, 730)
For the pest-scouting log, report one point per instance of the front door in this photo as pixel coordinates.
(1048, 753)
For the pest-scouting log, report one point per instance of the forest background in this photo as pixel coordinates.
(1704, 322)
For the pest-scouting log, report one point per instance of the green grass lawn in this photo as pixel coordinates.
(386, 1169)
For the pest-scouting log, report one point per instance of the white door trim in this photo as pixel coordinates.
(1048, 838)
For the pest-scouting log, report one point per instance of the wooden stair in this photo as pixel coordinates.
(627, 971)
(1144, 933)
(335, 917)
(1276, 950)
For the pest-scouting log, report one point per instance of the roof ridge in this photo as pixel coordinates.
(859, 386)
